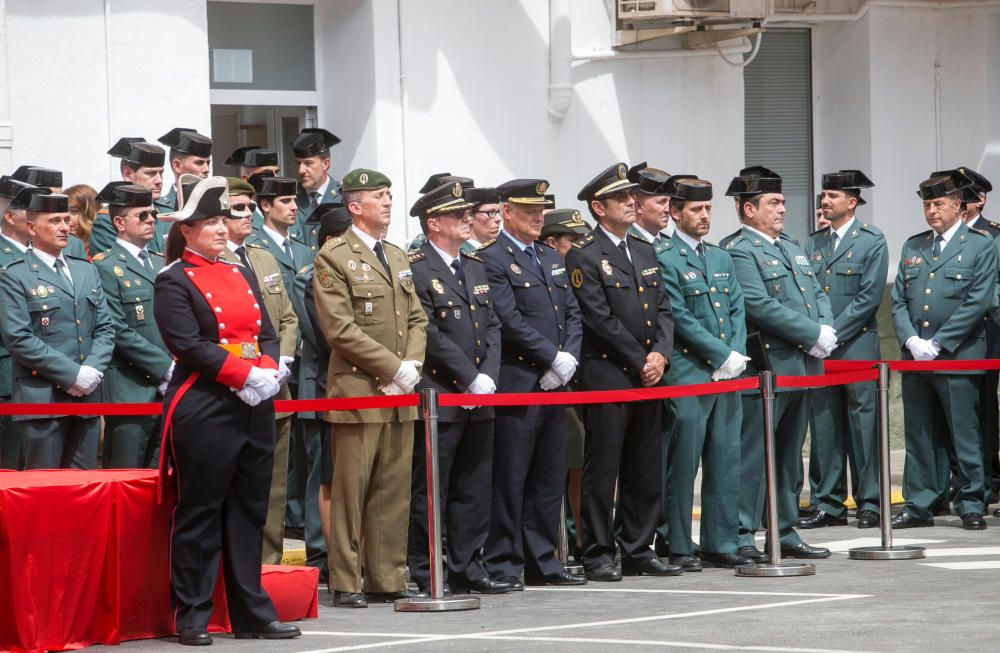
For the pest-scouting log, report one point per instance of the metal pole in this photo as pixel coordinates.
(437, 602)
(774, 566)
(564, 542)
(887, 551)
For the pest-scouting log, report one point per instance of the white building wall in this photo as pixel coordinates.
(77, 82)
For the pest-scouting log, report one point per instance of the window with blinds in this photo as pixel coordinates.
(777, 87)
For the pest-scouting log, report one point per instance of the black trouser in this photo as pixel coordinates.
(222, 451)
(465, 463)
(529, 470)
(623, 444)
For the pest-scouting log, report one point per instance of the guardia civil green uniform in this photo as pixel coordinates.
(10, 438)
(310, 142)
(709, 324)
(943, 298)
(786, 304)
(136, 153)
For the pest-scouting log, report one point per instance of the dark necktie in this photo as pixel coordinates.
(380, 254)
(624, 248)
(700, 250)
(63, 272)
(456, 265)
(314, 196)
(241, 251)
(287, 246)
(936, 252)
(777, 243)
(146, 263)
(530, 251)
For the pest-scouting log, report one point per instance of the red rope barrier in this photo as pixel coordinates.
(976, 365)
(824, 381)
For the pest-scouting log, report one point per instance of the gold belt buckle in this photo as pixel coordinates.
(249, 350)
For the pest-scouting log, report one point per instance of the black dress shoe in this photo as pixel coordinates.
(389, 597)
(906, 520)
(726, 560)
(195, 637)
(803, 550)
(808, 511)
(515, 583)
(972, 521)
(868, 519)
(754, 554)
(650, 567)
(481, 586)
(686, 562)
(606, 573)
(273, 630)
(349, 600)
(562, 578)
(820, 519)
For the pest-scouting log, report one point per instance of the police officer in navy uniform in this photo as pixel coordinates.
(463, 356)
(437, 180)
(541, 337)
(628, 333)
(56, 325)
(218, 422)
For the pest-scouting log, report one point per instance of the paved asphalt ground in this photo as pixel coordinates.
(947, 602)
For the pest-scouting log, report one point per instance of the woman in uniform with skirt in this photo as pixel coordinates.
(218, 433)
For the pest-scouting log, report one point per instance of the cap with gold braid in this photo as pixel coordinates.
(446, 198)
(525, 191)
(563, 221)
(612, 180)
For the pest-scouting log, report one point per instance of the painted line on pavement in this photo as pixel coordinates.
(964, 566)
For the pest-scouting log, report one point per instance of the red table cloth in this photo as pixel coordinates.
(84, 560)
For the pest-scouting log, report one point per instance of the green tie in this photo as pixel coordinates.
(63, 272)
(936, 252)
(146, 263)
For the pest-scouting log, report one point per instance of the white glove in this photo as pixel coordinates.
(408, 375)
(165, 381)
(392, 389)
(249, 396)
(550, 381)
(264, 382)
(75, 391)
(922, 350)
(284, 362)
(734, 365)
(481, 385)
(87, 379)
(565, 366)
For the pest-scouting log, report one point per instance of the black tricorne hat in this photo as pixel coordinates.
(276, 187)
(125, 194)
(252, 156)
(138, 152)
(853, 180)
(689, 188)
(22, 200)
(187, 141)
(942, 184)
(313, 141)
(38, 176)
(10, 187)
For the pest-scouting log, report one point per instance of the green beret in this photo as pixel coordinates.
(239, 187)
(364, 179)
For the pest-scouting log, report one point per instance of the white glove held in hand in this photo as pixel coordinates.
(284, 363)
(922, 350)
(825, 343)
(407, 376)
(392, 389)
(165, 381)
(249, 396)
(87, 380)
(264, 382)
(735, 364)
(481, 385)
(564, 366)
(550, 381)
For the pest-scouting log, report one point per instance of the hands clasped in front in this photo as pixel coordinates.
(825, 343)
(87, 380)
(261, 384)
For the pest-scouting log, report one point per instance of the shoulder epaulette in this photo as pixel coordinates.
(99, 256)
(471, 255)
(415, 255)
(872, 229)
(486, 244)
(396, 247)
(583, 242)
(732, 242)
(818, 232)
(13, 263)
(333, 243)
(922, 234)
(995, 225)
(254, 245)
(77, 258)
(157, 254)
(981, 232)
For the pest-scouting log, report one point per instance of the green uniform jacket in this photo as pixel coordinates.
(289, 267)
(103, 234)
(51, 331)
(783, 301)
(9, 252)
(309, 360)
(304, 230)
(853, 278)
(946, 299)
(140, 359)
(707, 302)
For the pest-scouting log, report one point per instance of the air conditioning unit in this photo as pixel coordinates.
(641, 14)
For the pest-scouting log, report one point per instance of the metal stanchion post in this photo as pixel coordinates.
(774, 567)
(437, 602)
(564, 542)
(887, 551)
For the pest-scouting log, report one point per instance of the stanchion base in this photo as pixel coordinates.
(574, 569)
(892, 553)
(781, 569)
(444, 604)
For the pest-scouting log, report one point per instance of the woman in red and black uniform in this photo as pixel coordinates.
(218, 420)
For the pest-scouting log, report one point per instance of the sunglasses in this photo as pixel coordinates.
(243, 207)
(145, 215)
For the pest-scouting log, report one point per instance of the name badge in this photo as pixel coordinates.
(369, 308)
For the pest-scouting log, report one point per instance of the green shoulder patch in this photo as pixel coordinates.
(325, 277)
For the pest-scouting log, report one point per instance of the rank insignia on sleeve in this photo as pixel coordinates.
(576, 277)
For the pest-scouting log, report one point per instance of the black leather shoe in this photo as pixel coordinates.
(349, 600)
(868, 519)
(515, 583)
(972, 521)
(389, 597)
(820, 519)
(725, 560)
(906, 520)
(195, 637)
(273, 630)
(686, 562)
(803, 550)
(752, 553)
(606, 573)
(481, 586)
(650, 567)
(562, 578)
(808, 511)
